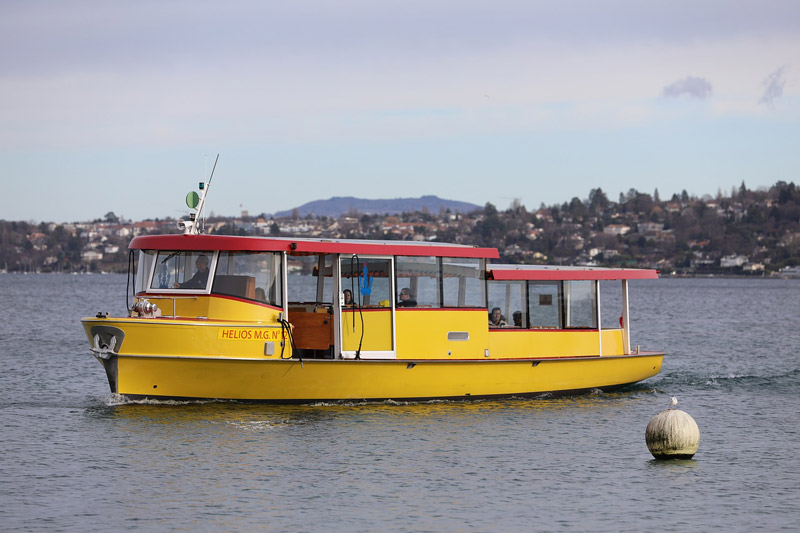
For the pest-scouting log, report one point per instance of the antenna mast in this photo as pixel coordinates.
(205, 188)
(197, 202)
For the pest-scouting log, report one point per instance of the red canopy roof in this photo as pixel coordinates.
(555, 273)
(307, 246)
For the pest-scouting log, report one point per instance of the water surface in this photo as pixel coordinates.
(77, 458)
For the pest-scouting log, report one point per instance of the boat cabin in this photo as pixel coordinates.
(340, 299)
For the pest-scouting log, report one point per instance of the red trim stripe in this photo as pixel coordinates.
(245, 300)
(481, 309)
(363, 309)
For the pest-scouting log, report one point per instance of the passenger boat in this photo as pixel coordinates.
(289, 320)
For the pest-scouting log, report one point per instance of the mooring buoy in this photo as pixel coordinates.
(672, 434)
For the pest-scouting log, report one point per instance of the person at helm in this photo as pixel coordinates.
(200, 278)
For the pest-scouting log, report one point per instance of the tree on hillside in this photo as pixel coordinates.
(576, 208)
(598, 201)
(516, 206)
(491, 229)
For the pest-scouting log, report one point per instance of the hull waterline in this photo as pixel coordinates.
(296, 381)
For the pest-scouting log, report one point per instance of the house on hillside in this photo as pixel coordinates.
(649, 227)
(146, 226)
(91, 255)
(616, 229)
(733, 261)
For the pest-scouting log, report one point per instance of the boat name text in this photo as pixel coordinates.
(234, 334)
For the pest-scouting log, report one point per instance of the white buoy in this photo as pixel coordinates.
(672, 434)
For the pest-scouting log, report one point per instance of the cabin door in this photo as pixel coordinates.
(366, 298)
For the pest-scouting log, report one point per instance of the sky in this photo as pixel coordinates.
(123, 106)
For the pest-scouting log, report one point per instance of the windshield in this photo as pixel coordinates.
(182, 270)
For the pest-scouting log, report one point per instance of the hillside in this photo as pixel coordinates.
(748, 232)
(341, 205)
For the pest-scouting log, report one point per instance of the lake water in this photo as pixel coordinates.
(76, 458)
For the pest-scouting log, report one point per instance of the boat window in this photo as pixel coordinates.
(440, 281)
(368, 279)
(545, 300)
(580, 309)
(310, 281)
(324, 273)
(302, 278)
(462, 284)
(143, 268)
(420, 277)
(610, 304)
(509, 297)
(250, 275)
(181, 270)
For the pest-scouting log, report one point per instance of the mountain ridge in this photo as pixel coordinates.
(340, 205)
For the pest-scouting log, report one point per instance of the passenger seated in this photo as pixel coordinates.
(261, 295)
(496, 319)
(517, 317)
(406, 299)
(348, 298)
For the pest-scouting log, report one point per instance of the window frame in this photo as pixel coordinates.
(508, 287)
(568, 302)
(559, 303)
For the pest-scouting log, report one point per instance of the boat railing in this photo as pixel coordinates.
(173, 298)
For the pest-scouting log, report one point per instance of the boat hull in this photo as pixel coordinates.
(308, 381)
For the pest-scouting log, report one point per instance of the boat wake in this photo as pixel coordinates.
(115, 400)
(730, 381)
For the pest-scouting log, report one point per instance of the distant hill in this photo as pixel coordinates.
(340, 205)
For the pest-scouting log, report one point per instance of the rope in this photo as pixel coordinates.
(286, 332)
(357, 302)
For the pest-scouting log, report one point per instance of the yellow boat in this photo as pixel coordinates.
(309, 320)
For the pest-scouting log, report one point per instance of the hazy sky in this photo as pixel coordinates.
(114, 106)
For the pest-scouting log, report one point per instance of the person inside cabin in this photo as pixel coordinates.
(517, 317)
(406, 299)
(496, 319)
(348, 298)
(261, 294)
(200, 278)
